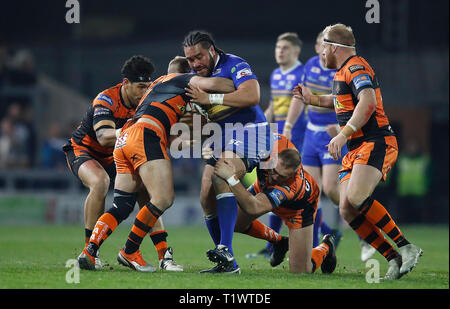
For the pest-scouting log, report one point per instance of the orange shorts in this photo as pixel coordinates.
(139, 143)
(297, 218)
(380, 153)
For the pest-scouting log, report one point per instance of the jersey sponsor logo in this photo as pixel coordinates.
(105, 98)
(217, 71)
(356, 67)
(243, 73)
(276, 76)
(362, 80)
(100, 111)
(290, 77)
(241, 63)
(277, 196)
(315, 70)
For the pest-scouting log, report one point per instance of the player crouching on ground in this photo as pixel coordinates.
(288, 191)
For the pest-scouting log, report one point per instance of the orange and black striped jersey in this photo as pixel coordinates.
(165, 100)
(298, 192)
(107, 105)
(354, 76)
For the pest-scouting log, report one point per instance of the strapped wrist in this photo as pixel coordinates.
(233, 180)
(216, 98)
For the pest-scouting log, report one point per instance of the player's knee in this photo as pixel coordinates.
(346, 211)
(300, 267)
(123, 205)
(329, 188)
(100, 185)
(163, 202)
(355, 198)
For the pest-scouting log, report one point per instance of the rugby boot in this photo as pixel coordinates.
(330, 261)
(167, 263)
(134, 261)
(410, 257)
(279, 251)
(86, 260)
(393, 272)
(221, 255)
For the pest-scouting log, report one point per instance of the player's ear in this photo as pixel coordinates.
(125, 81)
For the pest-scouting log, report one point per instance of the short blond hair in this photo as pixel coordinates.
(340, 33)
(178, 64)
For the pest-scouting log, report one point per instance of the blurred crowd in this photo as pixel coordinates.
(20, 146)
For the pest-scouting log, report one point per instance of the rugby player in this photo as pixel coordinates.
(141, 158)
(282, 80)
(240, 109)
(290, 192)
(372, 147)
(89, 152)
(321, 127)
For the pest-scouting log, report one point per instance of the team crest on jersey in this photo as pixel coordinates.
(337, 104)
(121, 141)
(182, 108)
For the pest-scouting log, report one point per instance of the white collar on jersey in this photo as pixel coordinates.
(217, 61)
(297, 63)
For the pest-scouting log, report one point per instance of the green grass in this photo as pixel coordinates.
(34, 257)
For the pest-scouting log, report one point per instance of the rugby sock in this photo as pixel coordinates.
(318, 255)
(379, 216)
(145, 219)
(159, 239)
(275, 223)
(87, 236)
(227, 211)
(212, 223)
(373, 235)
(317, 222)
(259, 230)
(105, 225)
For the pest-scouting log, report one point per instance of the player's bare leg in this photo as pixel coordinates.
(157, 178)
(158, 235)
(125, 186)
(95, 178)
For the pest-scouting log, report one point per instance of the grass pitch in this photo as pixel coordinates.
(35, 257)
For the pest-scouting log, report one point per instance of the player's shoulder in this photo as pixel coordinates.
(298, 69)
(312, 61)
(108, 98)
(355, 64)
(233, 59)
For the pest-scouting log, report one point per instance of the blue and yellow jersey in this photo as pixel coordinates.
(281, 85)
(238, 70)
(320, 81)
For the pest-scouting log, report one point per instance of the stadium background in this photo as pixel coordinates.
(51, 70)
